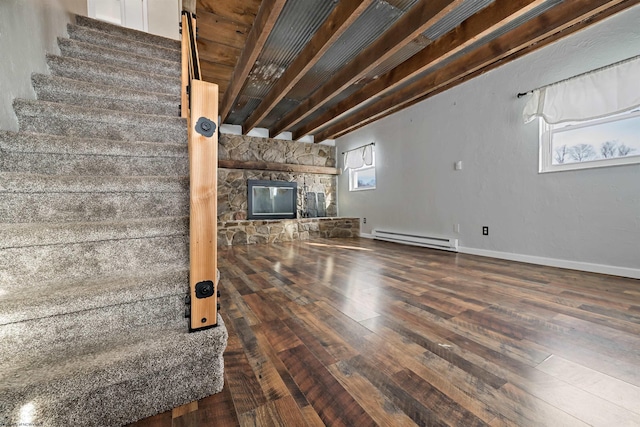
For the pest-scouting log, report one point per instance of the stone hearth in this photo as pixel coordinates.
(231, 233)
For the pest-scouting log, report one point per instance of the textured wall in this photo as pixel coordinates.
(28, 30)
(588, 216)
(232, 183)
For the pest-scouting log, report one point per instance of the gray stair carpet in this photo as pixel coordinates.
(94, 240)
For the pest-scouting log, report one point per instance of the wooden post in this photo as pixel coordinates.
(203, 160)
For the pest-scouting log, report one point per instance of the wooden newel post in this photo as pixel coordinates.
(203, 159)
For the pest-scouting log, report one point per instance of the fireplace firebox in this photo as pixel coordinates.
(272, 199)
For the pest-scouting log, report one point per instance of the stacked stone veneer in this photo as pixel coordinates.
(233, 226)
(232, 183)
(231, 233)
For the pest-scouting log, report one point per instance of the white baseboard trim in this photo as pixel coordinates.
(366, 235)
(633, 273)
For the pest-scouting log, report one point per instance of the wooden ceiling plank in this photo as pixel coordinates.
(343, 15)
(496, 15)
(265, 20)
(418, 19)
(537, 32)
(215, 52)
(211, 27)
(240, 11)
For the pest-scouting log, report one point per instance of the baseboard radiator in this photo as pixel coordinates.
(433, 242)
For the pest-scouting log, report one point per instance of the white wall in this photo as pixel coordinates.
(28, 30)
(587, 217)
(164, 18)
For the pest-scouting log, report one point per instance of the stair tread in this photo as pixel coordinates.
(99, 38)
(97, 95)
(98, 114)
(87, 52)
(93, 356)
(52, 298)
(31, 142)
(65, 119)
(153, 365)
(11, 182)
(131, 33)
(20, 235)
(79, 69)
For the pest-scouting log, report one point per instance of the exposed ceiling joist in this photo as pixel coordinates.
(265, 20)
(344, 64)
(535, 33)
(496, 15)
(419, 18)
(333, 27)
(577, 27)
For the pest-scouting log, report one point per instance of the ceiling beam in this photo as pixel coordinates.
(538, 31)
(417, 20)
(496, 15)
(342, 16)
(557, 36)
(265, 20)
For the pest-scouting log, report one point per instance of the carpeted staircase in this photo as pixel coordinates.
(94, 205)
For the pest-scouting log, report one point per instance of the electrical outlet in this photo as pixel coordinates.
(364, 220)
(456, 228)
(485, 230)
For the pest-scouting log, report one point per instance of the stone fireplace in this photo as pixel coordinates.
(233, 183)
(237, 226)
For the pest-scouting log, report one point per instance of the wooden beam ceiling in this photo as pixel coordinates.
(557, 36)
(536, 32)
(420, 17)
(342, 16)
(265, 20)
(234, 33)
(496, 15)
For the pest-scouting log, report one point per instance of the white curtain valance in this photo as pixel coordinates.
(358, 157)
(610, 90)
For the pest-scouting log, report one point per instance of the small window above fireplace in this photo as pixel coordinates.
(272, 199)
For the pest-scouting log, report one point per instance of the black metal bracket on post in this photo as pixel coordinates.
(205, 127)
(204, 288)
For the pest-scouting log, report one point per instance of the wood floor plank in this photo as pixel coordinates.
(392, 355)
(311, 342)
(218, 410)
(582, 405)
(444, 407)
(360, 332)
(401, 398)
(240, 378)
(260, 307)
(160, 420)
(380, 407)
(334, 405)
(611, 389)
(264, 372)
(281, 369)
(282, 412)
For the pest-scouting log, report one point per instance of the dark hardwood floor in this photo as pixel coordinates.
(359, 333)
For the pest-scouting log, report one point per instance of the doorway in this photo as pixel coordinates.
(127, 13)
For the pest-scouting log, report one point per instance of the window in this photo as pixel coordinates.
(608, 141)
(361, 163)
(590, 120)
(363, 178)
